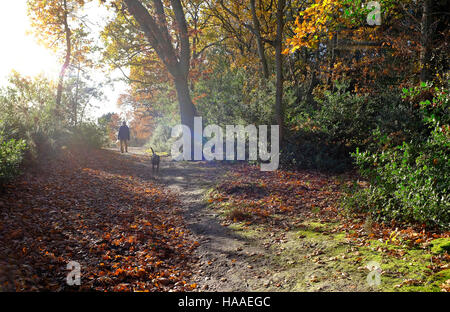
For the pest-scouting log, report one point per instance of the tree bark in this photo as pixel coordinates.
(75, 101)
(332, 46)
(425, 53)
(157, 33)
(314, 81)
(187, 108)
(279, 110)
(259, 40)
(66, 60)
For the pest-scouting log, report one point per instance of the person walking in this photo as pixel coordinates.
(124, 137)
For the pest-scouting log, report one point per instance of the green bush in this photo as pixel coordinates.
(87, 134)
(411, 182)
(232, 95)
(27, 113)
(324, 133)
(311, 149)
(11, 155)
(161, 139)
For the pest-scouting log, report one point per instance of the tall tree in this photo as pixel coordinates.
(176, 58)
(259, 40)
(50, 20)
(230, 12)
(279, 111)
(251, 15)
(426, 33)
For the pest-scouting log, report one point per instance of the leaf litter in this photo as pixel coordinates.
(99, 209)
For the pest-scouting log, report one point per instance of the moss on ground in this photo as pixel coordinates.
(316, 256)
(313, 257)
(400, 264)
(440, 245)
(247, 232)
(433, 283)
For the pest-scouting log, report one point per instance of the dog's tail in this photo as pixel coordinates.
(152, 151)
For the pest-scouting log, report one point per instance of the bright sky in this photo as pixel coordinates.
(22, 53)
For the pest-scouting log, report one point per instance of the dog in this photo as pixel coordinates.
(155, 161)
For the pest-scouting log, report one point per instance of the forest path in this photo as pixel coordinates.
(263, 260)
(224, 262)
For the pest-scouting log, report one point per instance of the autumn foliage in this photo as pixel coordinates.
(320, 70)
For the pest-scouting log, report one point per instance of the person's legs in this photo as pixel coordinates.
(126, 146)
(121, 146)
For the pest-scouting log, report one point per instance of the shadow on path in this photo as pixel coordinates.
(223, 257)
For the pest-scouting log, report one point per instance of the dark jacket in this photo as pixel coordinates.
(124, 133)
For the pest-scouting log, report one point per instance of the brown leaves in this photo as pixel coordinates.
(254, 196)
(102, 211)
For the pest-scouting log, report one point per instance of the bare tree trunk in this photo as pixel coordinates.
(66, 60)
(75, 103)
(425, 53)
(259, 40)
(187, 108)
(279, 110)
(332, 46)
(314, 81)
(157, 33)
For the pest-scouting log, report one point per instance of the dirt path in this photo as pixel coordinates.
(225, 260)
(231, 260)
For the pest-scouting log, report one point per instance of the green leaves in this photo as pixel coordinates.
(411, 182)
(11, 155)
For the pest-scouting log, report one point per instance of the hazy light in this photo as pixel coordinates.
(20, 51)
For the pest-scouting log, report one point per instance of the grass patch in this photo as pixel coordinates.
(440, 245)
(310, 258)
(247, 232)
